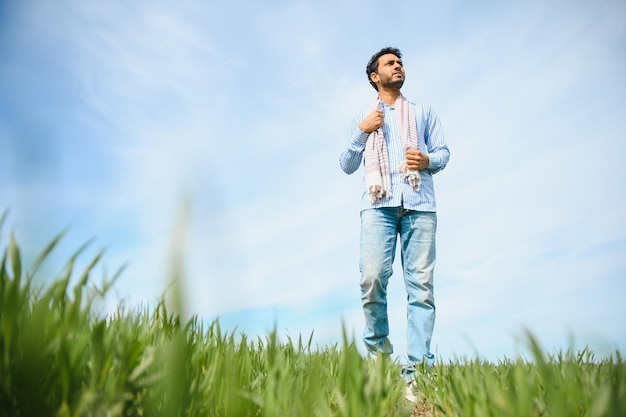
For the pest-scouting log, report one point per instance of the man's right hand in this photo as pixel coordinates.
(372, 122)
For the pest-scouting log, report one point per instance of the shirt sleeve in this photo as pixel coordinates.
(438, 152)
(351, 157)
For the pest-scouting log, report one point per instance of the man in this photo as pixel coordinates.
(401, 145)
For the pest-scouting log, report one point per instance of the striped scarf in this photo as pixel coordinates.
(377, 171)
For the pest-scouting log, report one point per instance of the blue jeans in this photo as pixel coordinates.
(379, 230)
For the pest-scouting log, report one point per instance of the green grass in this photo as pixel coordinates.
(558, 385)
(60, 357)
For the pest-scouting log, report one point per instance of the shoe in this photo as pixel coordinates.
(409, 395)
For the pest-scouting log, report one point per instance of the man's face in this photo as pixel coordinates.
(390, 72)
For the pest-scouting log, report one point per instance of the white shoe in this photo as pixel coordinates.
(409, 394)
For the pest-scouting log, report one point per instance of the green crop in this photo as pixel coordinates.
(61, 357)
(564, 384)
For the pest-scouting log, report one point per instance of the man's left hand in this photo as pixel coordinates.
(416, 159)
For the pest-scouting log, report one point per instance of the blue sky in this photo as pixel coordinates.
(116, 116)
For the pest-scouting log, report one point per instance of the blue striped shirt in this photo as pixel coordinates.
(431, 141)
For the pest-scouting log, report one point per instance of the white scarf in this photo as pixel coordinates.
(377, 171)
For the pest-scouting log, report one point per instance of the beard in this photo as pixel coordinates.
(392, 83)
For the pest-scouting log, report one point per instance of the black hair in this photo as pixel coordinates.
(372, 65)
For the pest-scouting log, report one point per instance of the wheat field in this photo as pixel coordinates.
(60, 357)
